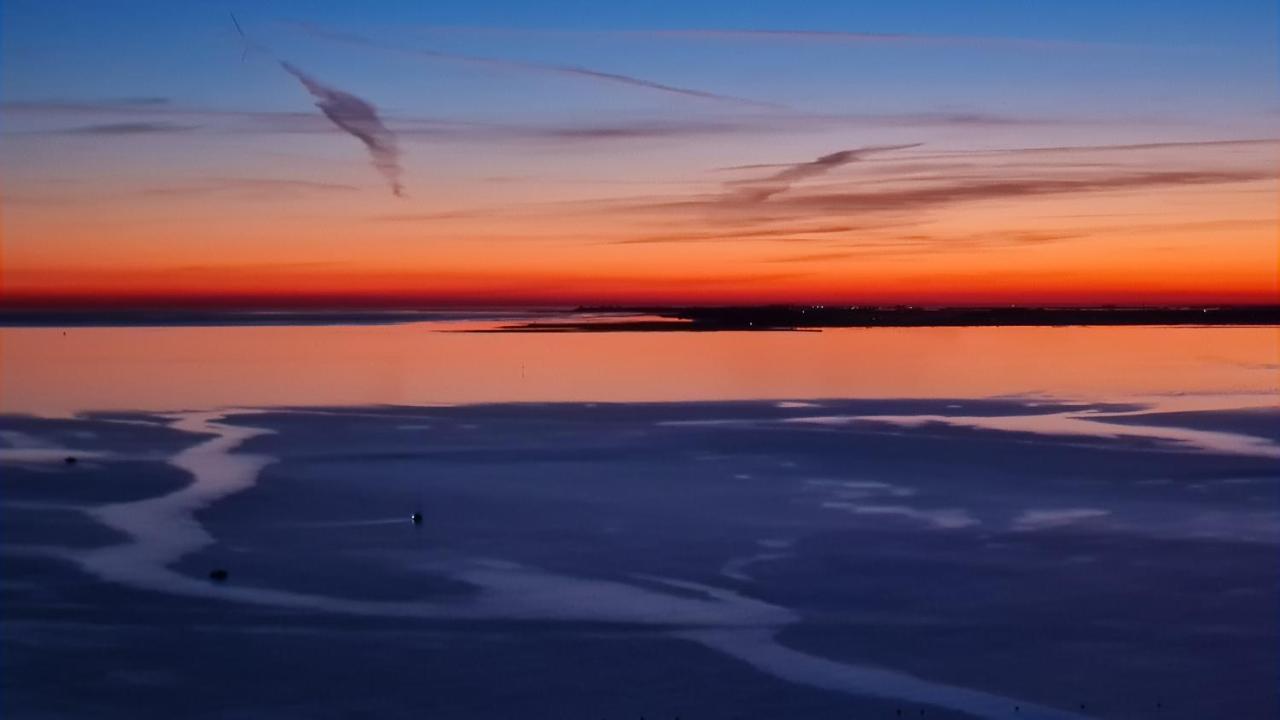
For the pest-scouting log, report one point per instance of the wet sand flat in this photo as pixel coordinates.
(832, 558)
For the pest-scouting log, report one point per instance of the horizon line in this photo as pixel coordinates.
(375, 304)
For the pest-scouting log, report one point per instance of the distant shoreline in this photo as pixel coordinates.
(817, 317)
(672, 319)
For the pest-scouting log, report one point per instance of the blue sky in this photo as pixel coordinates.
(1165, 56)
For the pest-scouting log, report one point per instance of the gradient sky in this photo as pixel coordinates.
(572, 152)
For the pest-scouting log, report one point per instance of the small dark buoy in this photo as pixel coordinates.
(416, 518)
(218, 575)
(70, 460)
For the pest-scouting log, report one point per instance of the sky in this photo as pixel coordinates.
(403, 153)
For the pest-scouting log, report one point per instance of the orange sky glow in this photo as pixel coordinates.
(1208, 238)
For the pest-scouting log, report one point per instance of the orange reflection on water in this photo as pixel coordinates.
(62, 371)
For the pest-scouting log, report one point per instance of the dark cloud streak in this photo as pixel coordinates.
(127, 128)
(909, 245)
(1014, 188)
(353, 115)
(1053, 149)
(931, 194)
(225, 120)
(762, 235)
(359, 119)
(753, 191)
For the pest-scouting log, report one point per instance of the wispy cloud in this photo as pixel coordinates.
(353, 115)
(1110, 148)
(919, 244)
(246, 188)
(637, 130)
(869, 211)
(978, 190)
(933, 193)
(759, 190)
(784, 35)
(217, 120)
(359, 119)
(252, 267)
(869, 38)
(785, 234)
(248, 185)
(131, 107)
(813, 257)
(865, 217)
(127, 128)
(566, 70)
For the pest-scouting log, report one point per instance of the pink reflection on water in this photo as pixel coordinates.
(55, 371)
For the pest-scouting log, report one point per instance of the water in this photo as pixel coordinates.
(62, 371)
(960, 522)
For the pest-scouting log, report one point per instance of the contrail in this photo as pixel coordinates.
(351, 114)
(249, 45)
(571, 70)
